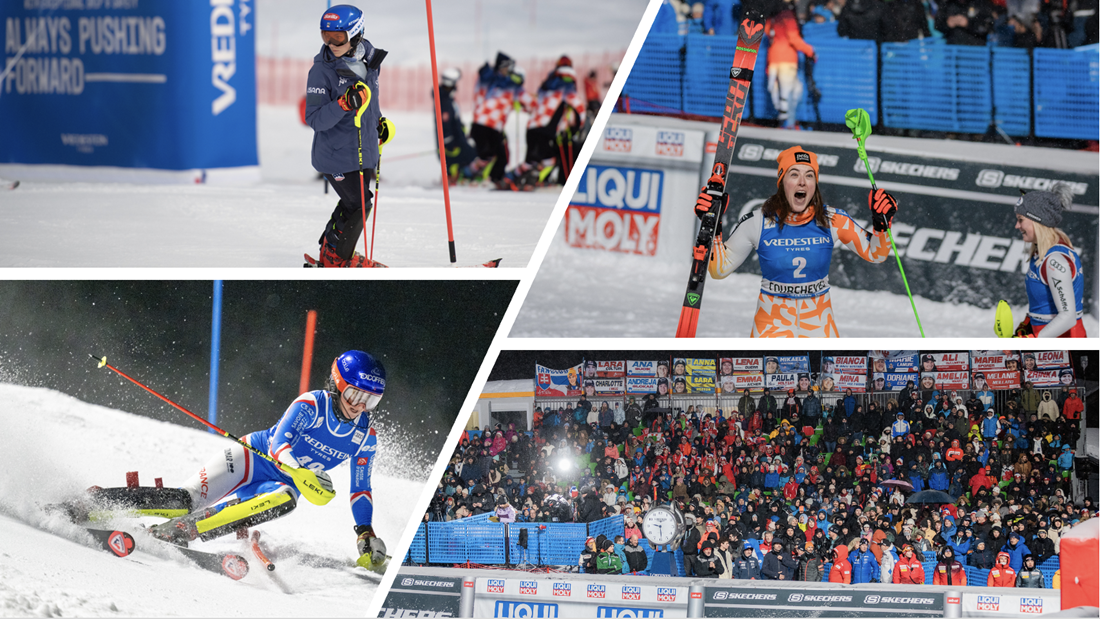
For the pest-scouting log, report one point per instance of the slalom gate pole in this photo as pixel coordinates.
(439, 135)
(307, 351)
(304, 479)
(215, 351)
(860, 123)
(374, 219)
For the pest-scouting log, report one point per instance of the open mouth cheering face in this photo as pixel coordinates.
(799, 185)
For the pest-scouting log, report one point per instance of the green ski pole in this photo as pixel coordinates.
(860, 124)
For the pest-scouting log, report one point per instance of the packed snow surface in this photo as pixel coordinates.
(56, 446)
(272, 223)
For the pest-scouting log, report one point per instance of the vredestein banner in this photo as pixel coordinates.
(158, 84)
(955, 243)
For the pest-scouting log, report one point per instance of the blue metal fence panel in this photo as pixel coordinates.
(936, 87)
(818, 32)
(654, 84)
(1067, 94)
(846, 73)
(446, 542)
(608, 527)
(761, 107)
(709, 59)
(485, 542)
(417, 552)
(517, 554)
(561, 543)
(1011, 105)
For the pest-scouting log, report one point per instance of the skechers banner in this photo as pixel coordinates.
(150, 84)
(616, 209)
(422, 596)
(760, 602)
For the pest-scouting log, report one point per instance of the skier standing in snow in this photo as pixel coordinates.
(499, 89)
(319, 431)
(558, 109)
(794, 234)
(343, 85)
(462, 161)
(1055, 286)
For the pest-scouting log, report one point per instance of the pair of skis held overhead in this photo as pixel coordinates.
(749, 34)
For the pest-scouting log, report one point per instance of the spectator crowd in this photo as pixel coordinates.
(785, 484)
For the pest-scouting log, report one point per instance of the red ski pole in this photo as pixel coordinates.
(304, 479)
(439, 135)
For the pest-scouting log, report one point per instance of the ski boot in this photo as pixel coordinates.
(225, 518)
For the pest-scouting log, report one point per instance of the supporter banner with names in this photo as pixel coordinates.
(610, 369)
(700, 375)
(841, 382)
(1051, 360)
(893, 381)
(551, 383)
(641, 385)
(729, 365)
(949, 380)
(781, 382)
(641, 368)
(794, 364)
(946, 361)
(753, 381)
(907, 362)
(844, 365)
(1049, 378)
(1001, 379)
(983, 360)
(608, 386)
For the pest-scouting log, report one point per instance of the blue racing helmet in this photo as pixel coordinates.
(359, 378)
(344, 18)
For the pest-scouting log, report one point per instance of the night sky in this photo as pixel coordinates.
(430, 335)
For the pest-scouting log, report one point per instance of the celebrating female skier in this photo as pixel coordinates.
(320, 430)
(794, 235)
(1055, 286)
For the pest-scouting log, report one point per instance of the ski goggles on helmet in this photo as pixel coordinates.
(334, 37)
(356, 397)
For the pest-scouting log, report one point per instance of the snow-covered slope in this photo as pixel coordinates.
(106, 219)
(55, 445)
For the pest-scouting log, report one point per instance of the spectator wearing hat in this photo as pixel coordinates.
(690, 545)
(908, 570)
(587, 560)
(747, 566)
(842, 570)
(1016, 549)
(1029, 576)
(810, 566)
(900, 427)
(707, 564)
(1002, 574)
(778, 564)
(865, 568)
(608, 561)
(949, 571)
(1073, 406)
(1041, 546)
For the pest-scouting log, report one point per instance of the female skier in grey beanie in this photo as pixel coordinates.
(1055, 285)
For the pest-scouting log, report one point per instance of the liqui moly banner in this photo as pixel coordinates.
(700, 375)
(733, 383)
(1049, 359)
(729, 365)
(641, 368)
(1050, 378)
(641, 385)
(610, 369)
(781, 382)
(985, 360)
(998, 379)
(537, 597)
(945, 362)
(551, 383)
(616, 209)
(150, 84)
(948, 380)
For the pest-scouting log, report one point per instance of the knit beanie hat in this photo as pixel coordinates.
(1045, 207)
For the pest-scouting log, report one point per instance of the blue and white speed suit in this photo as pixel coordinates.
(1055, 294)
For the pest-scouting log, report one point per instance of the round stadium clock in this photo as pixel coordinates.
(662, 525)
